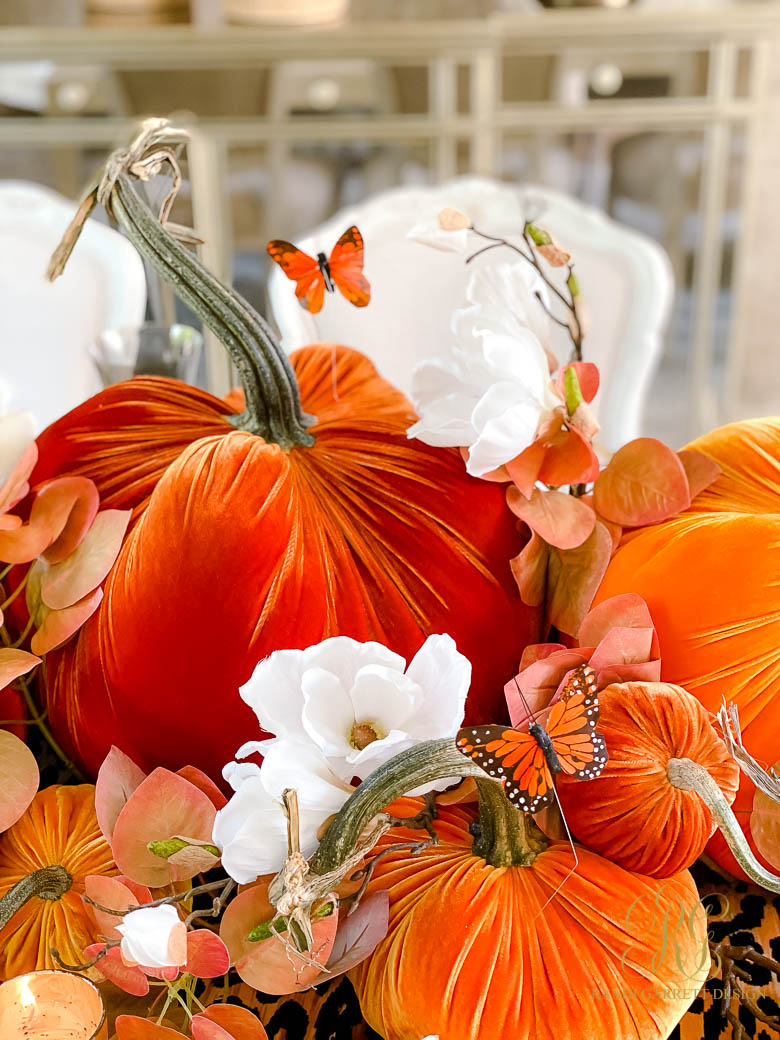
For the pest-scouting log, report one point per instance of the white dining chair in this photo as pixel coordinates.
(626, 280)
(46, 329)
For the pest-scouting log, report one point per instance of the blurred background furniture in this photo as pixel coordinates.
(415, 288)
(46, 331)
(661, 116)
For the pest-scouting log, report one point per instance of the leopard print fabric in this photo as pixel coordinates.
(742, 915)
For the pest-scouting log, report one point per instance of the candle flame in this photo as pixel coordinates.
(26, 995)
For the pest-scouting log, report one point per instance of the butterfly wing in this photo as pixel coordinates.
(514, 758)
(571, 725)
(346, 268)
(301, 269)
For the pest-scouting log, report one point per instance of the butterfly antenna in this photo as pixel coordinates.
(531, 716)
(574, 853)
(333, 379)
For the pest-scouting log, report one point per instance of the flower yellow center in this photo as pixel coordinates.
(363, 734)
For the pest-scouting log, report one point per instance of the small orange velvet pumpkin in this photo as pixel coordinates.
(476, 951)
(711, 578)
(632, 813)
(59, 830)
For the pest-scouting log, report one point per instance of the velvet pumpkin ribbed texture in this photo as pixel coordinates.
(711, 578)
(244, 548)
(476, 952)
(59, 829)
(631, 813)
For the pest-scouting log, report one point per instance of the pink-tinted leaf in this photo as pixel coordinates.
(113, 894)
(587, 376)
(59, 625)
(530, 571)
(573, 578)
(131, 1027)
(207, 955)
(198, 857)
(625, 611)
(16, 485)
(765, 825)
(623, 646)
(203, 1029)
(700, 470)
(643, 671)
(162, 806)
(275, 967)
(561, 520)
(19, 778)
(130, 979)
(239, 1022)
(644, 483)
(169, 974)
(554, 255)
(117, 778)
(78, 574)
(81, 516)
(250, 908)
(14, 663)
(61, 514)
(538, 652)
(532, 691)
(358, 934)
(523, 470)
(204, 783)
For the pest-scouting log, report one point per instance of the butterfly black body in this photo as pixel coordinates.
(544, 740)
(322, 260)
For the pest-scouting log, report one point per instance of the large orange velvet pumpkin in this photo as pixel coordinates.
(268, 536)
(476, 952)
(59, 830)
(632, 813)
(711, 578)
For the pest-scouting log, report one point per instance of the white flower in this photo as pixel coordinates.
(154, 937)
(251, 830)
(17, 432)
(358, 703)
(493, 394)
(339, 710)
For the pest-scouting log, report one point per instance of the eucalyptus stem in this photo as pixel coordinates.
(46, 883)
(687, 775)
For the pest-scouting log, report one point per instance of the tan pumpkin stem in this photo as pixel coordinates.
(507, 837)
(687, 775)
(46, 883)
(273, 406)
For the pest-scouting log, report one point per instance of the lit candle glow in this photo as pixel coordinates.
(50, 1005)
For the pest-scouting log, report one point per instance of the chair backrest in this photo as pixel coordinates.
(626, 280)
(46, 329)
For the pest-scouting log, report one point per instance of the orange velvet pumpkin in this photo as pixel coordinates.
(59, 829)
(263, 534)
(632, 814)
(476, 952)
(711, 578)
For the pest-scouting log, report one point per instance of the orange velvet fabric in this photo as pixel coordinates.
(476, 952)
(711, 578)
(60, 827)
(243, 549)
(631, 813)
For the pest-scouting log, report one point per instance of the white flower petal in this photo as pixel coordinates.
(507, 425)
(328, 716)
(344, 656)
(154, 937)
(274, 693)
(383, 697)
(251, 832)
(303, 767)
(445, 676)
(237, 772)
(17, 432)
(372, 756)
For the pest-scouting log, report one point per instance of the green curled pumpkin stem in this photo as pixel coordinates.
(46, 883)
(273, 406)
(506, 837)
(687, 775)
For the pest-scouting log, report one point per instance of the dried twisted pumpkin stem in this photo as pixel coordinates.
(273, 409)
(46, 883)
(507, 837)
(692, 776)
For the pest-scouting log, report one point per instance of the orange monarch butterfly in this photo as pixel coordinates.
(342, 270)
(526, 762)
